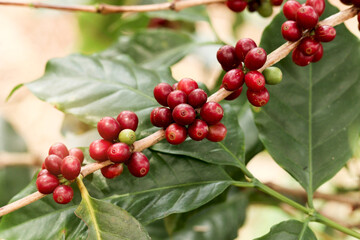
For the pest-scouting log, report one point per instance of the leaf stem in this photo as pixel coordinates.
(322, 219)
(243, 184)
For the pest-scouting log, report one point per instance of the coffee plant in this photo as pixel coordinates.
(170, 160)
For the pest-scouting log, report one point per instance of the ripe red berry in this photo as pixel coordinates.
(112, 170)
(258, 99)
(70, 167)
(197, 98)
(128, 120)
(161, 117)
(138, 164)
(291, 31)
(161, 91)
(300, 59)
(233, 79)
(234, 95)
(255, 58)
(175, 133)
(59, 149)
(346, 2)
(53, 164)
(98, 150)
(290, 8)
(108, 128)
(255, 80)
(356, 3)
(318, 5)
(325, 33)
(175, 98)
(243, 46)
(276, 2)
(306, 17)
(43, 165)
(183, 114)
(63, 194)
(77, 153)
(211, 112)
(174, 86)
(187, 85)
(227, 57)
(318, 55)
(217, 132)
(236, 5)
(309, 46)
(119, 152)
(46, 183)
(358, 17)
(43, 172)
(198, 130)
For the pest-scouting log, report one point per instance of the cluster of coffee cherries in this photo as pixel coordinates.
(232, 58)
(305, 18)
(263, 7)
(59, 169)
(179, 117)
(117, 137)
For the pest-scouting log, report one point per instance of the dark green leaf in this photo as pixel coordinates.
(10, 141)
(305, 125)
(107, 221)
(289, 230)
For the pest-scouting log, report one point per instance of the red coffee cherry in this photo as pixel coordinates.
(211, 112)
(59, 149)
(138, 164)
(318, 55)
(276, 2)
(291, 31)
(46, 183)
(98, 150)
(112, 170)
(70, 167)
(119, 152)
(43, 165)
(346, 2)
(356, 3)
(63, 194)
(255, 80)
(358, 17)
(236, 5)
(175, 98)
(161, 117)
(306, 17)
(243, 46)
(128, 120)
(253, 5)
(258, 99)
(174, 86)
(175, 133)
(43, 172)
(197, 98)
(198, 130)
(300, 59)
(217, 132)
(53, 164)
(183, 114)
(77, 153)
(290, 8)
(325, 33)
(187, 85)
(318, 5)
(309, 46)
(234, 95)
(233, 79)
(108, 128)
(161, 91)
(227, 57)
(255, 58)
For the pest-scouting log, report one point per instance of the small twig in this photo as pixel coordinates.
(21, 203)
(140, 145)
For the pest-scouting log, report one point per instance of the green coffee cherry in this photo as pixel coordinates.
(273, 75)
(127, 136)
(265, 9)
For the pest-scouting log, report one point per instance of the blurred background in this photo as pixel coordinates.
(28, 126)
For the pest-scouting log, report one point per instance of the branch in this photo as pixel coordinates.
(111, 9)
(19, 159)
(140, 145)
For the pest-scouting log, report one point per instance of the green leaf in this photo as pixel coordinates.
(10, 140)
(107, 221)
(230, 151)
(305, 125)
(289, 230)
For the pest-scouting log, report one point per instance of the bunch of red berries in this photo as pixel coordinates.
(179, 117)
(263, 7)
(117, 137)
(301, 18)
(60, 167)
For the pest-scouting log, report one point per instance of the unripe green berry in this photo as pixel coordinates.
(273, 75)
(127, 136)
(265, 9)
